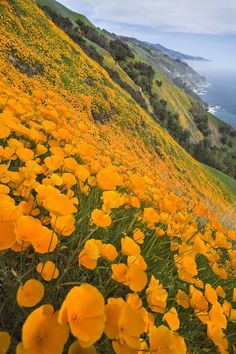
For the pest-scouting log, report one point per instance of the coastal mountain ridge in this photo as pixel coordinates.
(165, 87)
(178, 71)
(177, 55)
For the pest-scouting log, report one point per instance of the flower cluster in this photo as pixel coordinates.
(106, 242)
(94, 240)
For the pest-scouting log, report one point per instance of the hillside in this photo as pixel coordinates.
(113, 239)
(102, 53)
(173, 68)
(229, 181)
(163, 86)
(67, 69)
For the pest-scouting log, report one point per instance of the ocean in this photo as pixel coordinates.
(220, 91)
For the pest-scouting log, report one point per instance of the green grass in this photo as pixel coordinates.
(63, 11)
(227, 180)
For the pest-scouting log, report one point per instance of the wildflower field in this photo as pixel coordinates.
(112, 238)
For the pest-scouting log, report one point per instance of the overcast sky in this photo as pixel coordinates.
(199, 27)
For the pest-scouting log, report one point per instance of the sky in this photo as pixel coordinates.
(198, 27)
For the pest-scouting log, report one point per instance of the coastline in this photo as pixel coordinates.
(216, 93)
(216, 110)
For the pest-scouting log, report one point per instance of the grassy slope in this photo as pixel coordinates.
(66, 69)
(227, 180)
(64, 11)
(177, 99)
(73, 16)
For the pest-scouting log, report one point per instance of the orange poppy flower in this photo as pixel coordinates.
(171, 317)
(89, 255)
(41, 149)
(138, 236)
(136, 278)
(41, 332)
(216, 315)
(109, 252)
(182, 299)
(63, 225)
(59, 205)
(71, 164)
(217, 335)
(4, 189)
(7, 207)
(133, 276)
(83, 308)
(27, 228)
(124, 325)
(48, 270)
(119, 272)
(189, 265)
(233, 315)
(137, 260)
(221, 272)
(156, 296)
(227, 307)
(7, 235)
(108, 179)
(54, 180)
(210, 294)
(76, 348)
(53, 162)
(46, 242)
(4, 132)
(82, 173)
(5, 341)
(220, 291)
(85, 261)
(232, 235)
(159, 232)
(129, 247)
(133, 201)
(137, 182)
(197, 299)
(234, 295)
(150, 215)
(30, 294)
(101, 219)
(162, 340)
(20, 246)
(187, 268)
(134, 301)
(45, 191)
(112, 200)
(24, 154)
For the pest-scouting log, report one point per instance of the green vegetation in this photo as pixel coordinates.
(141, 73)
(228, 181)
(137, 67)
(120, 51)
(200, 117)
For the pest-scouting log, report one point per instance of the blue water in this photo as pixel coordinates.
(220, 94)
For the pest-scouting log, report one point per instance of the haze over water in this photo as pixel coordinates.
(221, 94)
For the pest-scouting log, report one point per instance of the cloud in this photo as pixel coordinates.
(186, 16)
